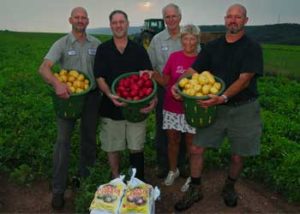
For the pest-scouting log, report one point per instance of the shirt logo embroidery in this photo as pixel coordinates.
(164, 48)
(71, 52)
(92, 51)
(179, 69)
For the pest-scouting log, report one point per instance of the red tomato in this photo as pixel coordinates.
(134, 87)
(121, 88)
(148, 83)
(134, 93)
(141, 93)
(149, 91)
(121, 82)
(145, 76)
(144, 91)
(134, 77)
(126, 82)
(140, 82)
(136, 98)
(125, 94)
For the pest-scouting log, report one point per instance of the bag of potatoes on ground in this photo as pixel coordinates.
(108, 197)
(139, 197)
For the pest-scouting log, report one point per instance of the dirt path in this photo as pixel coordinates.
(253, 198)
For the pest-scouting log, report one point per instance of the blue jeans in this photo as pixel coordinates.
(161, 139)
(88, 131)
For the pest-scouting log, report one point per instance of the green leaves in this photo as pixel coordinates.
(28, 129)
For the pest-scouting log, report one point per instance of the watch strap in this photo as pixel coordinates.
(225, 98)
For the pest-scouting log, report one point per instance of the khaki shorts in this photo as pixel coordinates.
(241, 124)
(115, 134)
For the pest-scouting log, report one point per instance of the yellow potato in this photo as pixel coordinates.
(64, 78)
(199, 94)
(200, 84)
(77, 84)
(205, 89)
(80, 77)
(194, 82)
(185, 91)
(202, 79)
(197, 87)
(209, 76)
(211, 79)
(217, 85)
(82, 84)
(74, 73)
(192, 92)
(213, 90)
(79, 90)
(60, 79)
(195, 76)
(71, 78)
(72, 89)
(63, 72)
(206, 73)
(187, 86)
(183, 82)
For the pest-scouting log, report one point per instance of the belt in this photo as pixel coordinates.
(241, 102)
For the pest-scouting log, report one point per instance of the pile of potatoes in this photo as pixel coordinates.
(75, 80)
(199, 85)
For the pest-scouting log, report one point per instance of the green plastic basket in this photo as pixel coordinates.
(131, 111)
(197, 116)
(70, 108)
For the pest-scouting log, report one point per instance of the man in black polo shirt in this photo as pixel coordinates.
(238, 61)
(113, 58)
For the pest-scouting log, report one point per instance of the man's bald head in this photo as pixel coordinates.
(78, 9)
(239, 7)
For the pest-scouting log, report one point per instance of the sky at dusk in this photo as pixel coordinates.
(52, 15)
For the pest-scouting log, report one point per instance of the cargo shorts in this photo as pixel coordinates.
(116, 135)
(241, 124)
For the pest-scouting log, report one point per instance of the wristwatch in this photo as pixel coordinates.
(225, 98)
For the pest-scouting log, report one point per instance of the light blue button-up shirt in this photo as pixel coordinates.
(161, 46)
(72, 54)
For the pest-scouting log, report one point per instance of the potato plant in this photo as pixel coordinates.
(28, 128)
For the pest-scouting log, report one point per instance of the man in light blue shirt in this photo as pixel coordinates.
(161, 46)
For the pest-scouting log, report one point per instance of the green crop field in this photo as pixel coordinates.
(28, 128)
(282, 60)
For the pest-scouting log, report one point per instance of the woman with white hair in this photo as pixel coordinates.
(174, 121)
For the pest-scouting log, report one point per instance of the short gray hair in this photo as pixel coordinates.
(175, 6)
(190, 29)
